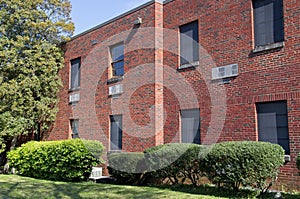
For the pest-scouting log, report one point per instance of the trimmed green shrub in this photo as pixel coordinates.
(94, 147)
(298, 161)
(175, 162)
(67, 160)
(127, 168)
(244, 163)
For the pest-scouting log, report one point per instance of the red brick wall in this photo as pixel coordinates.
(227, 112)
(95, 106)
(225, 32)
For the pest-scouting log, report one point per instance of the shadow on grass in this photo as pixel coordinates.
(12, 186)
(22, 187)
(210, 191)
(222, 192)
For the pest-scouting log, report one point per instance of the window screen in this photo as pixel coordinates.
(273, 123)
(75, 73)
(268, 21)
(74, 128)
(117, 55)
(190, 126)
(116, 132)
(189, 43)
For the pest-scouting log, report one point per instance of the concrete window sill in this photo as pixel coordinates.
(74, 89)
(189, 65)
(267, 47)
(114, 151)
(114, 79)
(73, 103)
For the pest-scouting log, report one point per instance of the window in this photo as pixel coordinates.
(273, 123)
(117, 56)
(74, 128)
(116, 132)
(190, 126)
(189, 50)
(75, 73)
(268, 21)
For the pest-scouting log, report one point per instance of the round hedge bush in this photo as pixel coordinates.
(126, 168)
(175, 162)
(67, 160)
(244, 163)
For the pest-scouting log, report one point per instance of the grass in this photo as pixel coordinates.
(13, 186)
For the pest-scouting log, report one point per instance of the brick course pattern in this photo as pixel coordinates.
(154, 90)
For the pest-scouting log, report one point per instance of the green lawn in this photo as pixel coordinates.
(13, 186)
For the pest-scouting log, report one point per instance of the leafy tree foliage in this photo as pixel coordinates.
(31, 33)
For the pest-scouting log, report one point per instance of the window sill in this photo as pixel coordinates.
(267, 47)
(74, 136)
(189, 65)
(223, 81)
(74, 89)
(115, 79)
(115, 96)
(114, 151)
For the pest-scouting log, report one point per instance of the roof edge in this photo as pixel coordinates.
(167, 1)
(113, 19)
(119, 17)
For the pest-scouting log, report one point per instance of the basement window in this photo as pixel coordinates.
(272, 118)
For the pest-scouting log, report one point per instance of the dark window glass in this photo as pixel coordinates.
(118, 68)
(190, 126)
(75, 73)
(273, 123)
(117, 55)
(116, 132)
(189, 50)
(74, 128)
(268, 21)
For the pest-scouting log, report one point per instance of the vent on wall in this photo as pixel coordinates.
(225, 71)
(115, 90)
(138, 21)
(74, 98)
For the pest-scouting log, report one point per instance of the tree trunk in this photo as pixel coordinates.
(10, 145)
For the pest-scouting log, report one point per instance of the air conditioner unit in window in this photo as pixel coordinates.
(115, 90)
(96, 173)
(225, 71)
(74, 98)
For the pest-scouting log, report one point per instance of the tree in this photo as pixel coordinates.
(31, 33)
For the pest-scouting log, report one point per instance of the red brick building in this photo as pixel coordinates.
(187, 71)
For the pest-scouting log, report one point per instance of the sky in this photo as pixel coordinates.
(88, 13)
